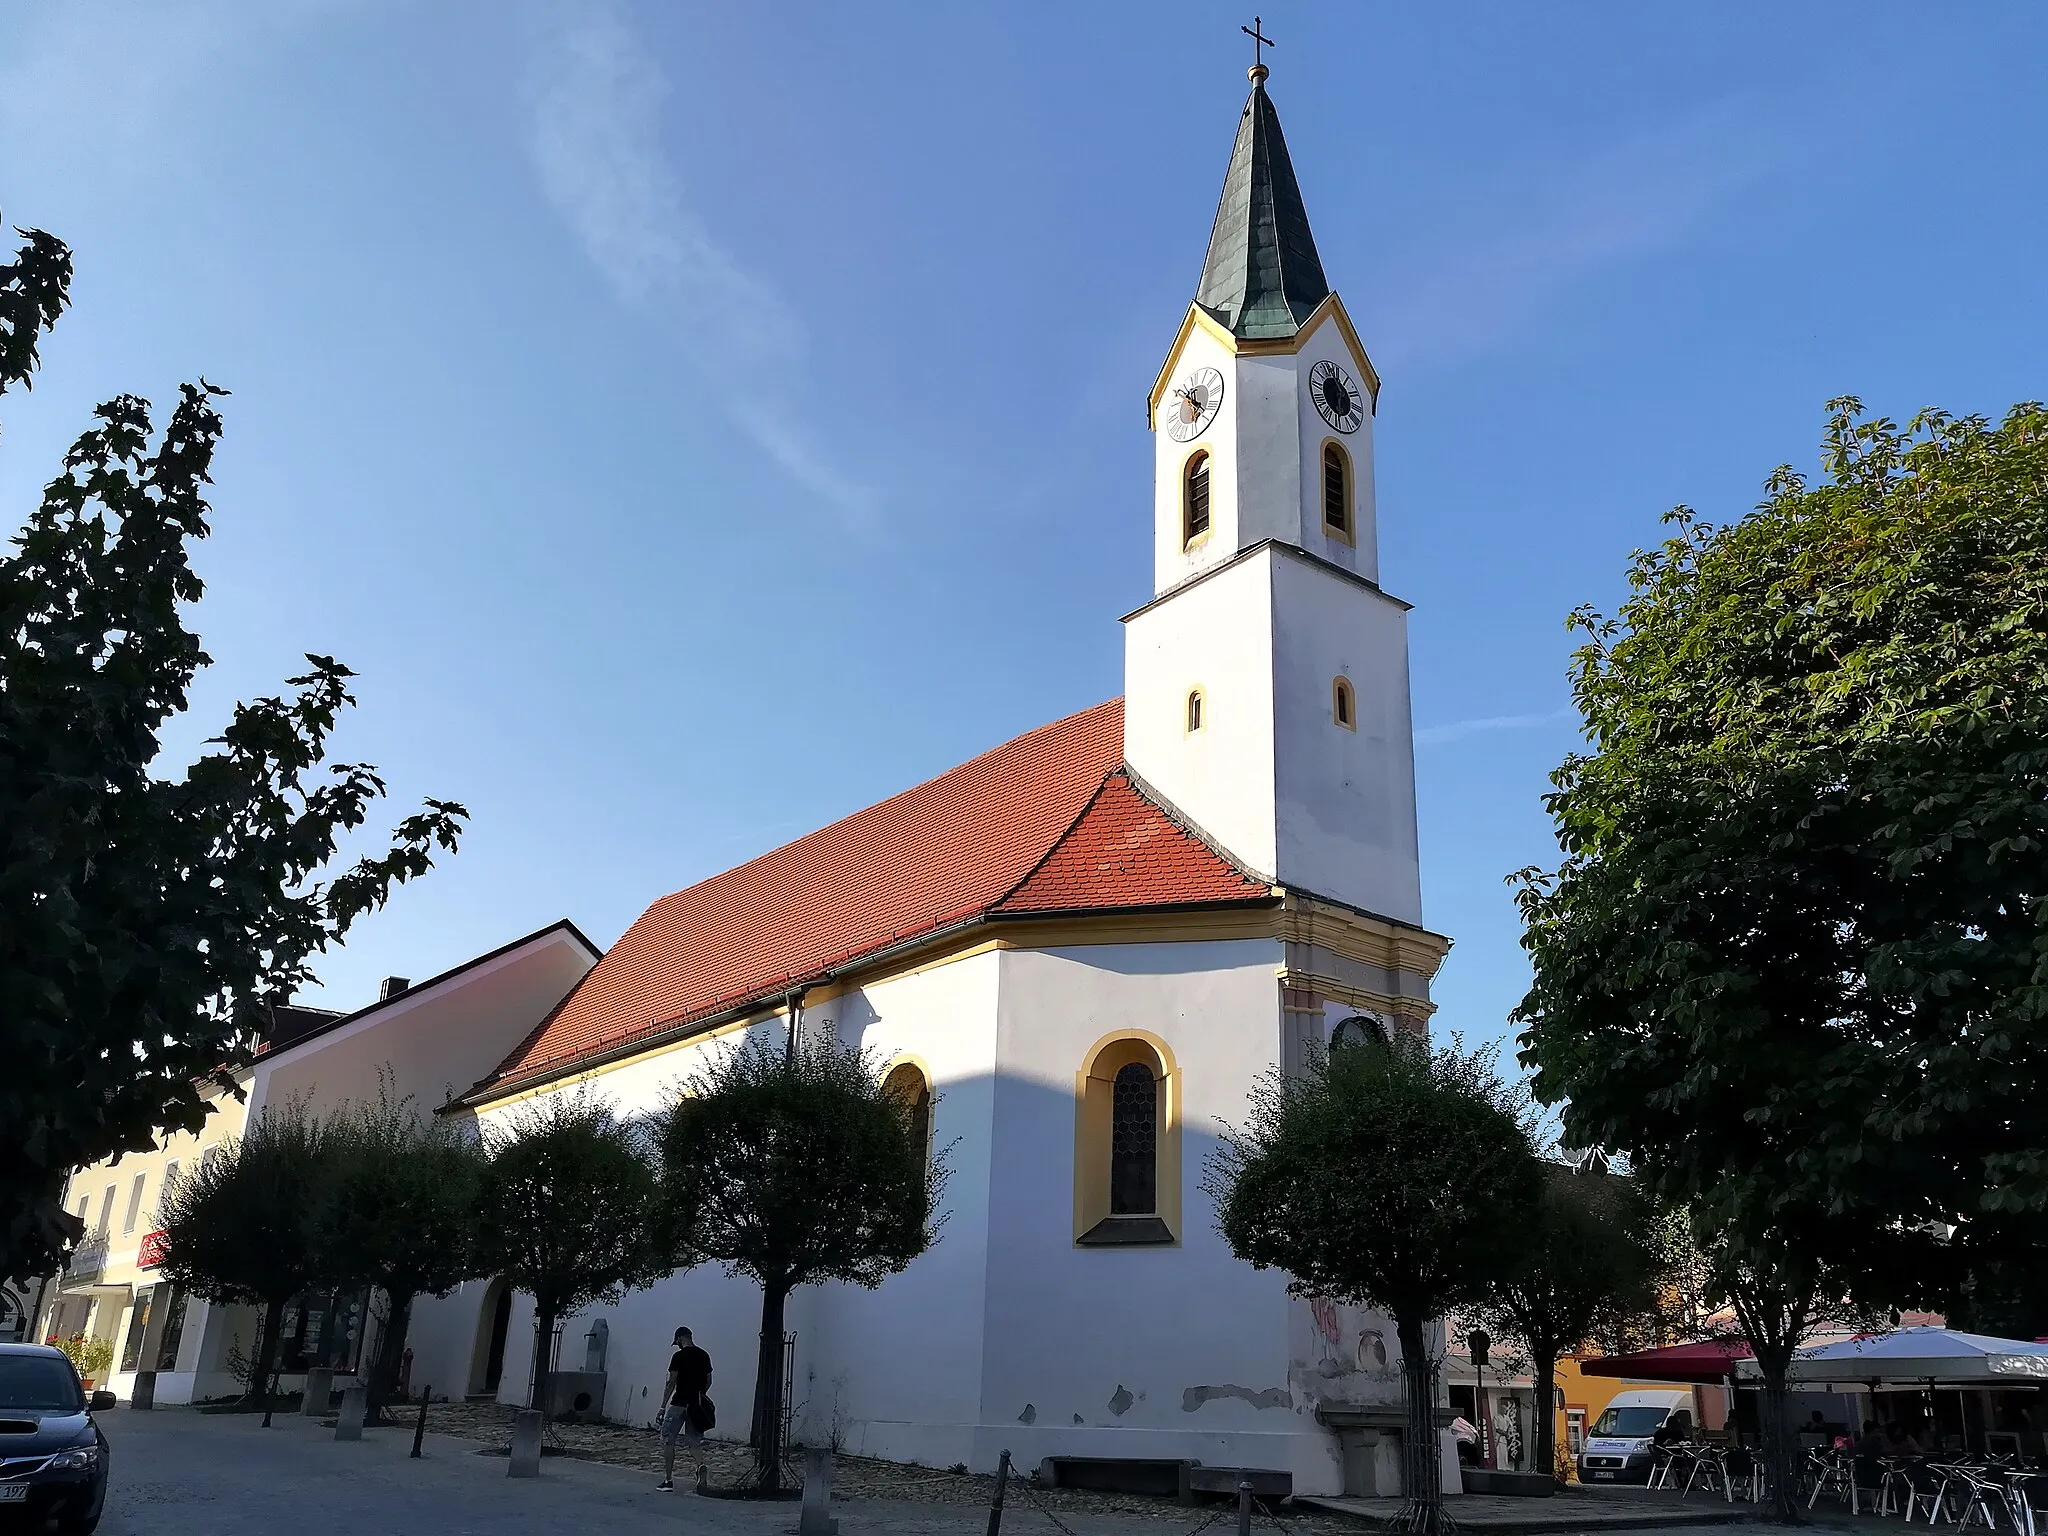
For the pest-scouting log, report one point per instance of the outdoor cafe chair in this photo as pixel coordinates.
(1708, 1470)
(1744, 1466)
(2029, 1494)
(1830, 1473)
(1968, 1495)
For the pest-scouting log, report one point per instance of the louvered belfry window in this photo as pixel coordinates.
(1336, 489)
(1134, 1142)
(1197, 509)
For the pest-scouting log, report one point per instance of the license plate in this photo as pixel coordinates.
(1608, 1475)
(13, 1493)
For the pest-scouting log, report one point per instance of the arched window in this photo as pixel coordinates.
(1343, 704)
(1133, 1141)
(1194, 518)
(907, 1085)
(1195, 710)
(1127, 1150)
(1336, 490)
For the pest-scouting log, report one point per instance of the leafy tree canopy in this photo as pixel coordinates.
(795, 1167)
(1396, 1177)
(147, 922)
(1796, 958)
(245, 1224)
(400, 1214)
(568, 1210)
(1590, 1267)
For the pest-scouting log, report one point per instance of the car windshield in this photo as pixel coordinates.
(1630, 1423)
(38, 1384)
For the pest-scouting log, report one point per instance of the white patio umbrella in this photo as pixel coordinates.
(1920, 1356)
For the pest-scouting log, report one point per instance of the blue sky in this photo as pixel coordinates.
(695, 423)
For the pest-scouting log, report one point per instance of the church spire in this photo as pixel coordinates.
(1262, 278)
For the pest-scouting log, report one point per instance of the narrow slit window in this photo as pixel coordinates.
(1195, 710)
(1134, 1141)
(1342, 705)
(1195, 499)
(1336, 490)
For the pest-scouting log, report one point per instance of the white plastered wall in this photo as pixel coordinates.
(898, 1368)
(1173, 562)
(1345, 798)
(1169, 1351)
(1216, 635)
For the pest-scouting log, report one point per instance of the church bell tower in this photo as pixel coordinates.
(1266, 683)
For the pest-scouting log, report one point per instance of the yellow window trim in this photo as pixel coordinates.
(1343, 702)
(1348, 534)
(1092, 1100)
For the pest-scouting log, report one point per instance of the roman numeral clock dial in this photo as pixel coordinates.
(1339, 400)
(1192, 404)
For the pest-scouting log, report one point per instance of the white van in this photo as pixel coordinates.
(1618, 1447)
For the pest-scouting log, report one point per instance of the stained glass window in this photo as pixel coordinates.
(1134, 1142)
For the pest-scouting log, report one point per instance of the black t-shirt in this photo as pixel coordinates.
(691, 1368)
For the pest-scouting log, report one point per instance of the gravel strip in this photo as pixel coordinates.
(853, 1477)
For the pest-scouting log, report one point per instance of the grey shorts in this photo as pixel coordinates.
(675, 1424)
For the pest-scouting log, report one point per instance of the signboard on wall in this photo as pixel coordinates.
(149, 1253)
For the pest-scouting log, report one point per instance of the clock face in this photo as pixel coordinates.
(1192, 403)
(1339, 400)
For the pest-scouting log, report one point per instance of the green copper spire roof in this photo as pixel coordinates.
(1263, 277)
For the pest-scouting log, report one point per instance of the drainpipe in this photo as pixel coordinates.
(795, 1004)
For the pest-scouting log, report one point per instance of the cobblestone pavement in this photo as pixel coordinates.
(180, 1473)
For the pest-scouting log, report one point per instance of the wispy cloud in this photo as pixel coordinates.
(1641, 196)
(597, 146)
(1458, 730)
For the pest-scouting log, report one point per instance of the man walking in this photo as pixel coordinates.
(683, 1405)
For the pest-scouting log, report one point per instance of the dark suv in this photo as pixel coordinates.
(53, 1458)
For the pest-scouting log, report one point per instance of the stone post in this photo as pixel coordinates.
(816, 1519)
(319, 1387)
(350, 1425)
(143, 1393)
(525, 1444)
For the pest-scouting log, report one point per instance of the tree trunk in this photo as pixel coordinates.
(266, 1352)
(1780, 1469)
(1546, 1416)
(383, 1383)
(1422, 1468)
(767, 1436)
(543, 1358)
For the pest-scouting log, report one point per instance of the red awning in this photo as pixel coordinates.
(1709, 1362)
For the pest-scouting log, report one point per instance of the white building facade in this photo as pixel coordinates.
(1086, 946)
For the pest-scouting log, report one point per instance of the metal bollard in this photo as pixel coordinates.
(419, 1430)
(525, 1444)
(1244, 1506)
(349, 1426)
(995, 1508)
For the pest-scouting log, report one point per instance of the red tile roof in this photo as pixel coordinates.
(1048, 822)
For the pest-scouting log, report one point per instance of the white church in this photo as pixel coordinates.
(1084, 946)
(1078, 951)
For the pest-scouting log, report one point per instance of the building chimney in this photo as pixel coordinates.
(391, 987)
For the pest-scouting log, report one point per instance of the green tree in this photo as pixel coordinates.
(793, 1168)
(147, 922)
(568, 1212)
(401, 1216)
(1588, 1268)
(1395, 1177)
(1795, 962)
(244, 1226)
